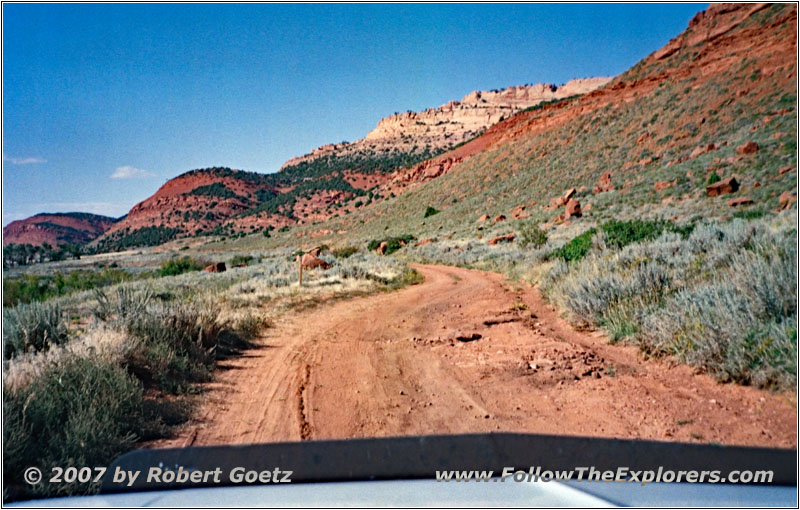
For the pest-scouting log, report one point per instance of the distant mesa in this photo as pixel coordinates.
(57, 229)
(437, 129)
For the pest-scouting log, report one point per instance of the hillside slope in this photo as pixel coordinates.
(331, 181)
(194, 202)
(718, 101)
(661, 208)
(56, 229)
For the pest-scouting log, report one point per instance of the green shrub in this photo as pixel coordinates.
(179, 266)
(722, 298)
(343, 253)
(531, 235)
(752, 214)
(430, 211)
(77, 412)
(392, 243)
(249, 326)
(30, 287)
(577, 248)
(178, 343)
(128, 303)
(32, 327)
(216, 189)
(241, 259)
(145, 236)
(622, 233)
(713, 178)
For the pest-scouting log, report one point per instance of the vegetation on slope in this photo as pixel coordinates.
(720, 296)
(654, 255)
(145, 236)
(140, 349)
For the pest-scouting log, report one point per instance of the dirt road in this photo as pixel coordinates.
(467, 351)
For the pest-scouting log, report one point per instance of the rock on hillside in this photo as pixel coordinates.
(335, 179)
(56, 229)
(726, 85)
(437, 129)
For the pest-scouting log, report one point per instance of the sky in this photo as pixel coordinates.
(103, 103)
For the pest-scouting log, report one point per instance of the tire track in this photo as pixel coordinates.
(397, 364)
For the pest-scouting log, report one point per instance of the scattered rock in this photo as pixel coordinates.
(785, 169)
(664, 185)
(786, 199)
(470, 337)
(644, 136)
(604, 183)
(315, 251)
(382, 248)
(503, 239)
(747, 148)
(519, 212)
(729, 185)
(483, 218)
(219, 267)
(756, 184)
(573, 209)
(499, 218)
(557, 202)
(740, 201)
(425, 241)
(702, 150)
(309, 261)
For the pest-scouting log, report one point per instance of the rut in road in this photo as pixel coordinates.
(467, 351)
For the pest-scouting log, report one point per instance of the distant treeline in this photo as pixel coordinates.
(24, 254)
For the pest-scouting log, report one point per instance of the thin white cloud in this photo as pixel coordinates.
(23, 161)
(129, 172)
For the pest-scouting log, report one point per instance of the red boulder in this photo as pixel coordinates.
(729, 185)
(219, 267)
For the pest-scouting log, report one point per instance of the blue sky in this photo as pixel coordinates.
(104, 103)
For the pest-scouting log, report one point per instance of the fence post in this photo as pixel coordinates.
(300, 268)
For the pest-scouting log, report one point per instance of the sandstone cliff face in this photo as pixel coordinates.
(56, 228)
(440, 128)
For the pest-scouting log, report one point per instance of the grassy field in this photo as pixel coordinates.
(89, 374)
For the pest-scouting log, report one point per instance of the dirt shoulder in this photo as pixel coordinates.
(467, 351)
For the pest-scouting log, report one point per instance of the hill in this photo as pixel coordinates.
(660, 208)
(57, 229)
(429, 132)
(718, 101)
(331, 181)
(193, 203)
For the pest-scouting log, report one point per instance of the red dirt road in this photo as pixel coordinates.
(393, 364)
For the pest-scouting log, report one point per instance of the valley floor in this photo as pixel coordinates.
(467, 351)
